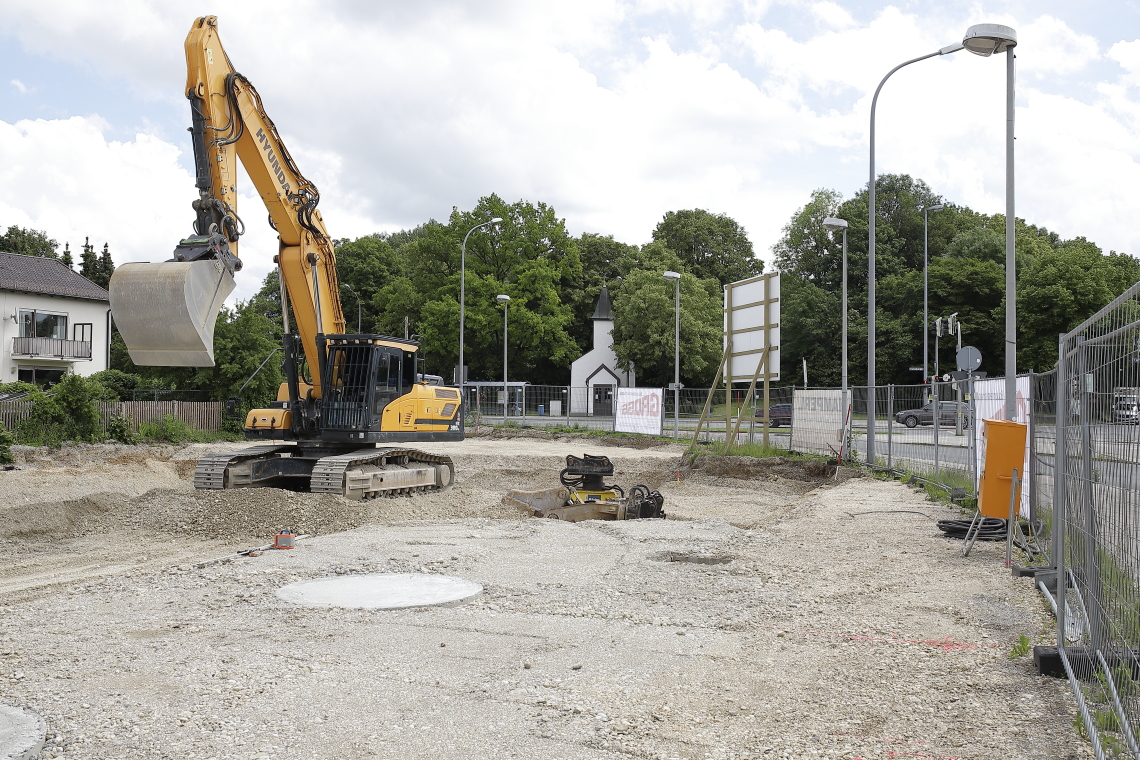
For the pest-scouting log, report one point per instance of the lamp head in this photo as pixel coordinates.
(935, 207)
(987, 39)
(496, 220)
(833, 224)
(502, 299)
(670, 275)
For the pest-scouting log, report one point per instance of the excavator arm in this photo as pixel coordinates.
(166, 311)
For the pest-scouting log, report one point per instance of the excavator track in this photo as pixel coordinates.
(212, 470)
(358, 475)
(380, 472)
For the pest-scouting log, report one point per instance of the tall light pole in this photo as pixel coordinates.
(833, 224)
(926, 291)
(461, 380)
(871, 253)
(985, 40)
(506, 398)
(357, 297)
(676, 278)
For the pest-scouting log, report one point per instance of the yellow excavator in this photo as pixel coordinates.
(350, 403)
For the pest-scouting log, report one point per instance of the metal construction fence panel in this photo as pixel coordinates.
(1039, 469)
(1097, 516)
(201, 415)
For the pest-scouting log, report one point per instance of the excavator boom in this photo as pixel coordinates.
(166, 311)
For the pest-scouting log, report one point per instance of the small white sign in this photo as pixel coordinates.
(639, 410)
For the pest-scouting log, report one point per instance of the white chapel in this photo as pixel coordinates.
(595, 375)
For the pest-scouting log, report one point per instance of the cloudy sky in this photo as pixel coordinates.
(613, 112)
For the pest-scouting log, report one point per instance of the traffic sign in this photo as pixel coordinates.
(969, 358)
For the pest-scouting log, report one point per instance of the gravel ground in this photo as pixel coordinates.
(834, 622)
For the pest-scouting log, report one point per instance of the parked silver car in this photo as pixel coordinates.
(925, 416)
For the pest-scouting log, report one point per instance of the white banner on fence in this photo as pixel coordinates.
(989, 404)
(817, 421)
(638, 410)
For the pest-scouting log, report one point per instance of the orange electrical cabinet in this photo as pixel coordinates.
(1005, 451)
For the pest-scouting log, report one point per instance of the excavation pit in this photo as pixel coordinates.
(381, 591)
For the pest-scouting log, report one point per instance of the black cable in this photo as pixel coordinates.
(991, 528)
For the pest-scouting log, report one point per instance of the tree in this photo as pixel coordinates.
(644, 328)
(65, 257)
(88, 261)
(103, 269)
(711, 245)
(28, 242)
(1060, 289)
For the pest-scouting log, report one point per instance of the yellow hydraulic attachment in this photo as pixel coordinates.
(584, 496)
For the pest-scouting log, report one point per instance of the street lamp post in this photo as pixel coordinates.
(985, 40)
(506, 398)
(871, 253)
(926, 290)
(357, 297)
(461, 379)
(676, 278)
(831, 223)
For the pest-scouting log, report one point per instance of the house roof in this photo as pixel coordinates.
(603, 310)
(38, 274)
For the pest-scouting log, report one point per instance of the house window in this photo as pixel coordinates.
(82, 331)
(42, 324)
(41, 376)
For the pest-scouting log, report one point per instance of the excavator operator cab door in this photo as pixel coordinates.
(389, 385)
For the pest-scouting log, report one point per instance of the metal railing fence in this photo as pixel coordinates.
(1097, 516)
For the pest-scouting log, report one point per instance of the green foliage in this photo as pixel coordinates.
(28, 242)
(1021, 648)
(644, 328)
(174, 430)
(18, 387)
(6, 441)
(243, 338)
(1060, 283)
(71, 413)
(712, 246)
(119, 429)
(169, 428)
(120, 385)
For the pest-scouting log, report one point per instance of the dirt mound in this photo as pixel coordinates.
(769, 468)
(622, 441)
(56, 517)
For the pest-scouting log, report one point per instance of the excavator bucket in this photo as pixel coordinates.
(166, 312)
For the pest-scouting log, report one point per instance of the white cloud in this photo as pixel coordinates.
(64, 177)
(19, 86)
(399, 113)
(1047, 46)
(832, 15)
(1127, 54)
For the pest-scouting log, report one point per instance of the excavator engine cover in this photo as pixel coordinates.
(166, 312)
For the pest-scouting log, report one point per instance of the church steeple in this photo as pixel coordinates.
(603, 310)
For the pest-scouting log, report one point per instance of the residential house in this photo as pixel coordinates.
(53, 321)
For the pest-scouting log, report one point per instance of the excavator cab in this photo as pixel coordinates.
(166, 311)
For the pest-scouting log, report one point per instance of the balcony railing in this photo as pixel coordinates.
(57, 348)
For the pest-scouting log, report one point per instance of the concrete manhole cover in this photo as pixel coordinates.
(21, 733)
(380, 591)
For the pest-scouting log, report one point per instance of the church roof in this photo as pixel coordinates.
(603, 310)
